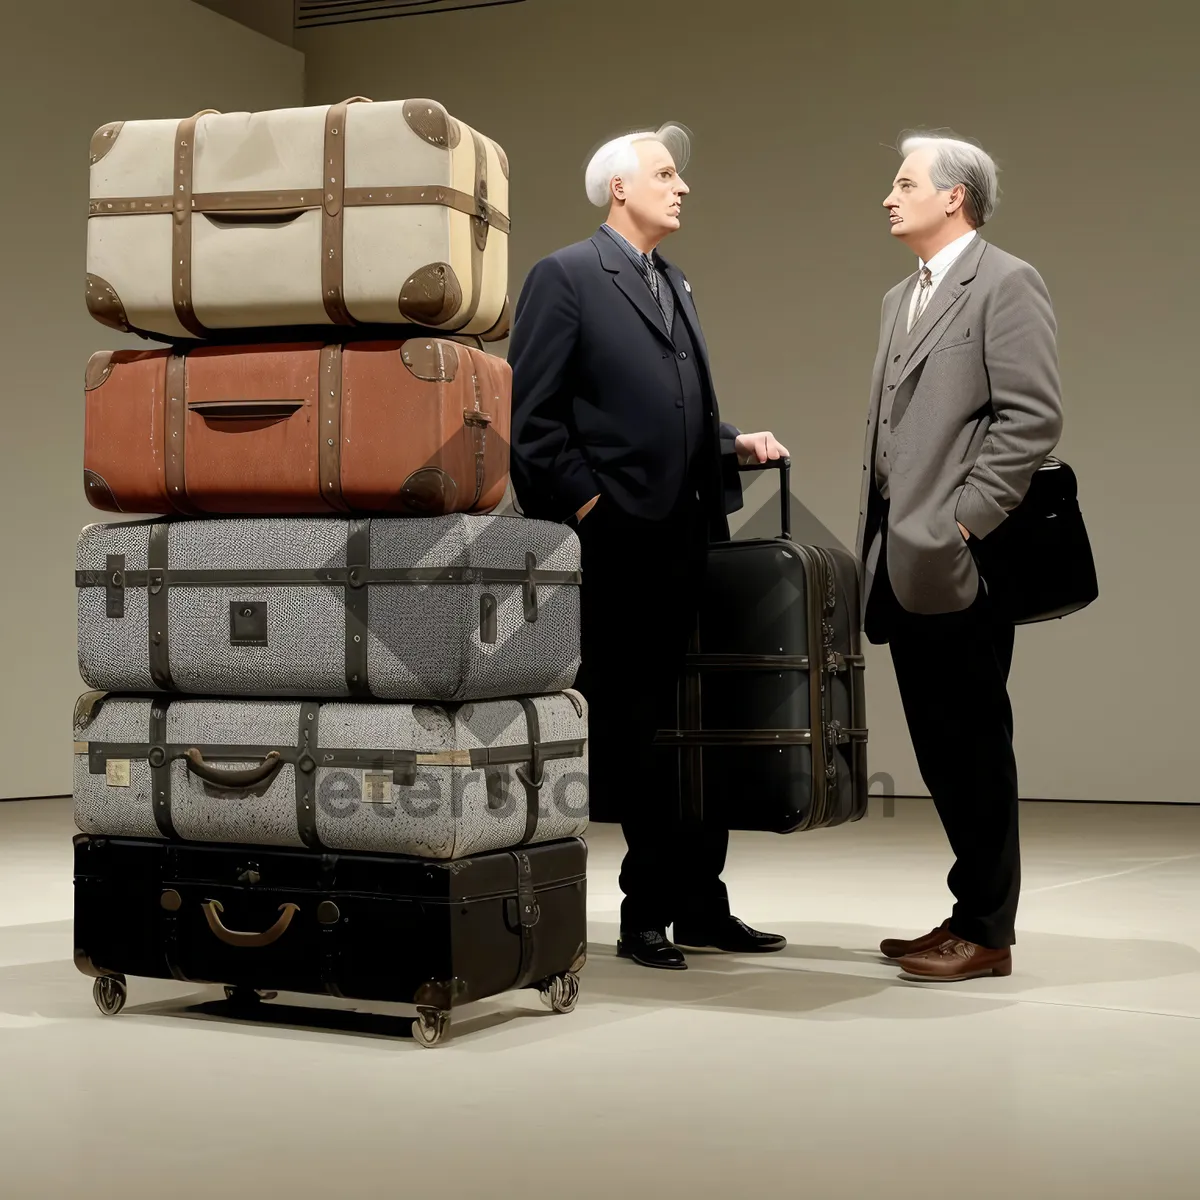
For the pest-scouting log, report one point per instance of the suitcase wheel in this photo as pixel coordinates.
(109, 992)
(430, 1026)
(247, 996)
(561, 992)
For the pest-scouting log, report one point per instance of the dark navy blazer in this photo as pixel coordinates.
(597, 392)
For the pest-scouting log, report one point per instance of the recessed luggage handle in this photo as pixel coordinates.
(247, 941)
(240, 778)
(784, 467)
(245, 410)
(254, 216)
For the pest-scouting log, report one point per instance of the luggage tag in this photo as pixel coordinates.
(377, 787)
(116, 772)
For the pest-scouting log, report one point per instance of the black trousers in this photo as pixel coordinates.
(952, 670)
(641, 581)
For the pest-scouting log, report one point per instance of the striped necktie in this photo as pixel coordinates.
(651, 276)
(925, 290)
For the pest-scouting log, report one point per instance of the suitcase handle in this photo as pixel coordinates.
(244, 410)
(241, 778)
(784, 467)
(247, 941)
(254, 216)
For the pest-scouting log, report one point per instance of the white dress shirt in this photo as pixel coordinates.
(938, 265)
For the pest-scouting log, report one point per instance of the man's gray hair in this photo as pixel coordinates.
(618, 157)
(957, 161)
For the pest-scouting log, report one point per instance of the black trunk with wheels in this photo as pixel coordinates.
(367, 927)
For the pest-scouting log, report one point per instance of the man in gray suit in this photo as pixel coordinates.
(965, 406)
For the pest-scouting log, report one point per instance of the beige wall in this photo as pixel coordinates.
(793, 106)
(65, 69)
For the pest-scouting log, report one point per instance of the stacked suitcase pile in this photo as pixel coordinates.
(333, 746)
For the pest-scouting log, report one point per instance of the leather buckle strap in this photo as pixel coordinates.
(157, 607)
(525, 918)
(160, 768)
(532, 779)
(358, 564)
(306, 774)
(114, 586)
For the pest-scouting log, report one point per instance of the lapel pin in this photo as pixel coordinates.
(687, 287)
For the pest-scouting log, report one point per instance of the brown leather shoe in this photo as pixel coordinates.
(953, 959)
(898, 947)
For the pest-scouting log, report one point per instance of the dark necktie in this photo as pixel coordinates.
(654, 283)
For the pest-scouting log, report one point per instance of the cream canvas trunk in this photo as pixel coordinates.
(359, 213)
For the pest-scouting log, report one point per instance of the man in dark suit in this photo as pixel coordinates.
(965, 406)
(615, 431)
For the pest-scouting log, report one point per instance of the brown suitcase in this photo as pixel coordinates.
(419, 427)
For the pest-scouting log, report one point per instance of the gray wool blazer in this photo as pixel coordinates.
(976, 407)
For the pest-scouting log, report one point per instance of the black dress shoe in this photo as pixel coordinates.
(728, 934)
(649, 948)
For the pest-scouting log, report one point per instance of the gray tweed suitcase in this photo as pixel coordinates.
(456, 607)
(431, 781)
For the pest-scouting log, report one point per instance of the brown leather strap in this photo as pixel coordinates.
(477, 421)
(181, 241)
(479, 231)
(365, 197)
(329, 428)
(120, 206)
(247, 203)
(332, 250)
(175, 433)
(300, 200)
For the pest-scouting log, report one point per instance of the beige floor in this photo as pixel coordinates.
(813, 1073)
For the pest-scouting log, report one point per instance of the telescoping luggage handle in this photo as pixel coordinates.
(784, 467)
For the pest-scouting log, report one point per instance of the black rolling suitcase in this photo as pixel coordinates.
(359, 926)
(772, 721)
